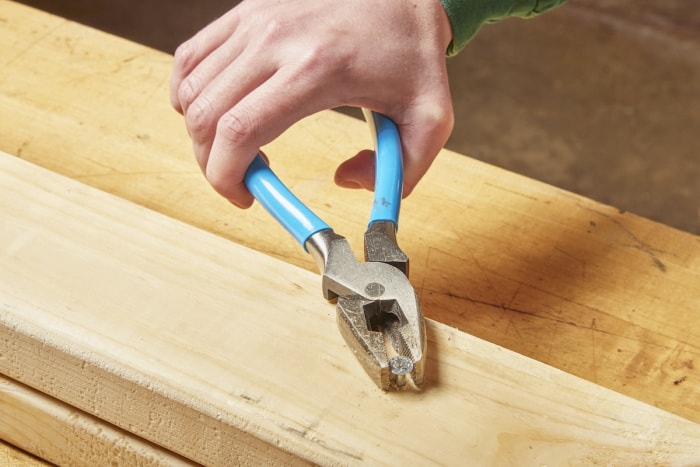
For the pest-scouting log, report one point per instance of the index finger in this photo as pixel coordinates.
(192, 52)
(256, 120)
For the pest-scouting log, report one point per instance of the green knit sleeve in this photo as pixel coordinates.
(467, 16)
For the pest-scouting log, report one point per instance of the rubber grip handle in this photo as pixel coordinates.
(279, 201)
(388, 185)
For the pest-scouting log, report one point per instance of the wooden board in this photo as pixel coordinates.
(63, 435)
(226, 356)
(12, 456)
(605, 295)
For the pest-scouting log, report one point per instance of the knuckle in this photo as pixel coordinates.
(185, 54)
(272, 31)
(448, 120)
(236, 127)
(316, 61)
(186, 93)
(440, 118)
(198, 117)
(276, 28)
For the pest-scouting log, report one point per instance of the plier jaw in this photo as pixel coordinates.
(378, 312)
(381, 246)
(388, 346)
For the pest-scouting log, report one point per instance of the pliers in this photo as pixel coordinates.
(378, 313)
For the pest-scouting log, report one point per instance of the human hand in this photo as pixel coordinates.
(247, 77)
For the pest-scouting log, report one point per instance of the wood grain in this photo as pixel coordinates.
(578, 305)
(602, 294)
(226, 356)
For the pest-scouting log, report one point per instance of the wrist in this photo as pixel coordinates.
(433, 22)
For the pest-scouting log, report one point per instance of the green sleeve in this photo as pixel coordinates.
(467, 16)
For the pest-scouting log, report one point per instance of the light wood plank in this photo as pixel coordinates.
(13, 456)
(224, 355)
(63, 435)
(605, 295)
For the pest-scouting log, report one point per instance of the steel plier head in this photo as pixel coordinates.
(378, 312)
(377, 309)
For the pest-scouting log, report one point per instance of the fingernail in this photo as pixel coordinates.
(352, 184)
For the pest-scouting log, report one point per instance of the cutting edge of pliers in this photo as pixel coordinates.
(378, 312)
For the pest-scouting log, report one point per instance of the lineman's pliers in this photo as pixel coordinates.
(377, 309)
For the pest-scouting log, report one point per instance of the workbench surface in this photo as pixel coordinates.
(599, 293)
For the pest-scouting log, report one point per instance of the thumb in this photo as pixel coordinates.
(357, 172)
(422, 138)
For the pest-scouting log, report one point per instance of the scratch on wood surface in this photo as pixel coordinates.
(640, 335)
(513, 192)
(637, 244)
(515, 295)
(512, 326)
(483, 272)
(426, 268)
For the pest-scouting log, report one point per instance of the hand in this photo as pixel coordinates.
(247, 77)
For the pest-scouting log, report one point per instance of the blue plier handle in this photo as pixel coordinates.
(378, 312)
(300, 221)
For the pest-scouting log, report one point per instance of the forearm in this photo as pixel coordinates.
(467, 16)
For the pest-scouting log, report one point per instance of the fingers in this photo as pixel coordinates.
(422, 138)
(251, 74)
(222, 94)
(191, 53)
(260, 117)
(234, 92)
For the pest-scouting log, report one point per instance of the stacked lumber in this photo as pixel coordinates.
(127, 334)
(173, 336)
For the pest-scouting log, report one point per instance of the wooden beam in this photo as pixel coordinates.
(605, 295)
(61, 434)
(226, 356)
(13, 456)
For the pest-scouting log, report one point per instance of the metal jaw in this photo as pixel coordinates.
(381, 246)
(377, 310)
